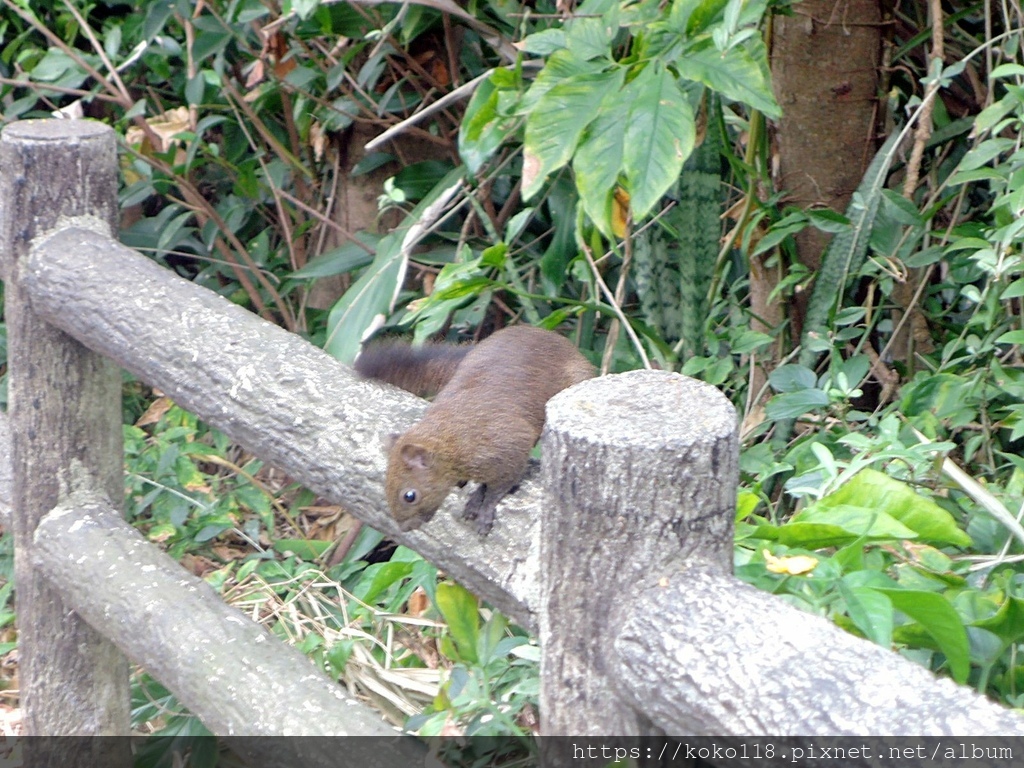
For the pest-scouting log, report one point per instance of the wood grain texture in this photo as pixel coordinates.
(225, 668)
(641, 470)
(65, 420)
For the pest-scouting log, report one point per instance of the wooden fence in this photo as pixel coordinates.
(617, 551)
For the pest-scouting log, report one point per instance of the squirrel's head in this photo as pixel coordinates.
(415, 486)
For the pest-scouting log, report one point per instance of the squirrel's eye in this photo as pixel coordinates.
(410, 496)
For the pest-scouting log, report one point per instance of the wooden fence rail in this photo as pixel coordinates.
(618, 552)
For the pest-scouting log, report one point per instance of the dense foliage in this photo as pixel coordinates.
(882, 491)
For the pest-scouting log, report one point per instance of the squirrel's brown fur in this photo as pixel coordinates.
(483, 423)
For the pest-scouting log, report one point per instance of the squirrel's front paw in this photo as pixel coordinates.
(478, 509)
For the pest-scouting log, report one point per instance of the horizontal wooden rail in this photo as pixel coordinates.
(230, 672)
(275, 394)
(703, 653)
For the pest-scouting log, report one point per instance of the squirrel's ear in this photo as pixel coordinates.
(415, 456)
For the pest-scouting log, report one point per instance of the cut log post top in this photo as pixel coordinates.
(641, 471)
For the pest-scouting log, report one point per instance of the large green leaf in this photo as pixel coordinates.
(591, 38)
(941, 621)
(735, 74)
(804, 535)
(342, 259)
(789, 405)
(560, 66)
(373, 295)
(556, 123)
(305, 549)
(872, 490)
(462, 614)
(660, 134)
(598, 161)
(815, 528)
(694, 16)
(871, 522)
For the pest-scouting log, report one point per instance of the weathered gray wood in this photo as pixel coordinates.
(5, 469)
(237, 678)
(641, 469)
(704, 654)
(65, 412)
(277, 395)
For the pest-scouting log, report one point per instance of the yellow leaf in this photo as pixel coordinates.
(620, 212)
(794, 565)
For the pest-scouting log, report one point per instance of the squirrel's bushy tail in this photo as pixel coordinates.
(421, 370)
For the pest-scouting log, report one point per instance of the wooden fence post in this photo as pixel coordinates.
(65, 414)
(641, 471)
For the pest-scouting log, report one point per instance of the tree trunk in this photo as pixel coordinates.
(824, 66)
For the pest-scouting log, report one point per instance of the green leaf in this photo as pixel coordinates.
(1013, 291)
(373, 295)
(735, 74)
(1007, 623)
(544, 43)
(340, 260)
(995, 112)
(598, 160)
(1007, 70)
(304, 549)
(870, 611)
(211, 531)
(462, 614)
(792, 378)
(337, 656)
(194, 89)
(694, 16)
(484, 127)
(379, 577)
(828, 221)
(554, 127)
(1011, 337)
(590, 38)
(789, 405)
(304, 8)
(489, 642)
(804, 535)
(857, 521)
(941, 621)
(660, 135)
(844, 255)
(872, 490)
(560, 66)
(985, 152)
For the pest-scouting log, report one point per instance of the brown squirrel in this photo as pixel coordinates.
(487, 416)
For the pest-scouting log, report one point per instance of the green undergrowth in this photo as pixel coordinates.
(381, 622)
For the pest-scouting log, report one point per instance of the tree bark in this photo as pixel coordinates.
(65, 412)
(641, 471)
(237, 678)
(704, 654)
(824, 62)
